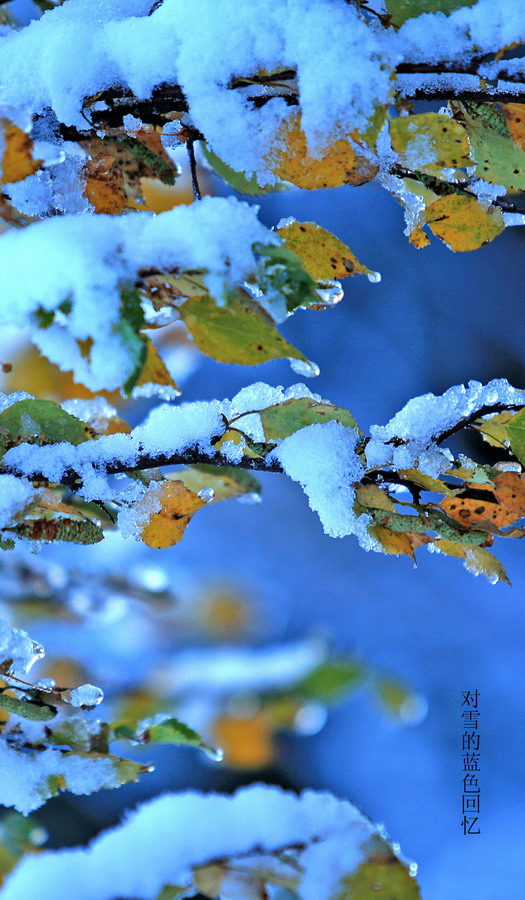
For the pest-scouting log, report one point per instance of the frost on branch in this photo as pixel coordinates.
(313, 845)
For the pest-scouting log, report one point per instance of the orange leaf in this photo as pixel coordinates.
(104, 188)
(340, 164)
(246, 742)
(166, 526)
(515, 115)
(17, 162)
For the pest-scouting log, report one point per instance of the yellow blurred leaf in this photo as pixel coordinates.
(323, 254)
(17, 162)
(247, 742)
(165, 527)
(339, 164)
(154, 370)
(463, 223)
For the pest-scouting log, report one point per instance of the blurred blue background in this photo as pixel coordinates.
(436, 319)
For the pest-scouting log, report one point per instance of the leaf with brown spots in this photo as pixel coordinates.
(430, 142)
(463, 223)
(238, 332)
(324, 256)
(165, 527)
(515, 115)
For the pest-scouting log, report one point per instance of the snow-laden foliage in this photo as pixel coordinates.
(314, 845)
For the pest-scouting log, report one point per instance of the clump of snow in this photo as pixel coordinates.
(87, 260)
(86, 695)
(15, 495)
(323, 460)
(163, 840)
(26, 778)
(17, 647)
(426, 418)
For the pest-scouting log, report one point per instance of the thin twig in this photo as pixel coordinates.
(193, 169)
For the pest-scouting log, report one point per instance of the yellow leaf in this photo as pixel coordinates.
(477, 560)
(103, 185)
(418, 238)
(493, 430)
(17, 162)
(340, 163)
(429, 142)
(247, 742)
(372, 496)
(394, 542)
(323, 254)
(154, 370)
(166, 526)
(463, 223)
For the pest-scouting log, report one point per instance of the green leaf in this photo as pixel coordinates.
(497, 158)
(57, 528)
(286, 418)
(27, 709)
(238, 180)
(238, 332)
(401, 10)
(383, 876)
(515, 430)
(225, 481)
(169, 731)
(331, 679)
(282, 274)
(40, 422)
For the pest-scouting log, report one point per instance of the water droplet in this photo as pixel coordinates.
(413, 869)
(216, 754)
(310, 718)
(206, 495)
(330, 292)
(250, 497)
(374, 277)
(306, 368)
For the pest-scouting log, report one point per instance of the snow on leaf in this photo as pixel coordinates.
(237, 180)
(339, 164)
(154, 377)
(401, 10)
(170, 844)
(381, 873)
(285, 418)
(40, 422)
(477, 561)
(429, 142)
(323, 254)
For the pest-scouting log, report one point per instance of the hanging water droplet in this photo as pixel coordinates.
(206, 495)
(413, 869)
(374, 277)
(216, 754)
(304, 367)
(330, 292)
